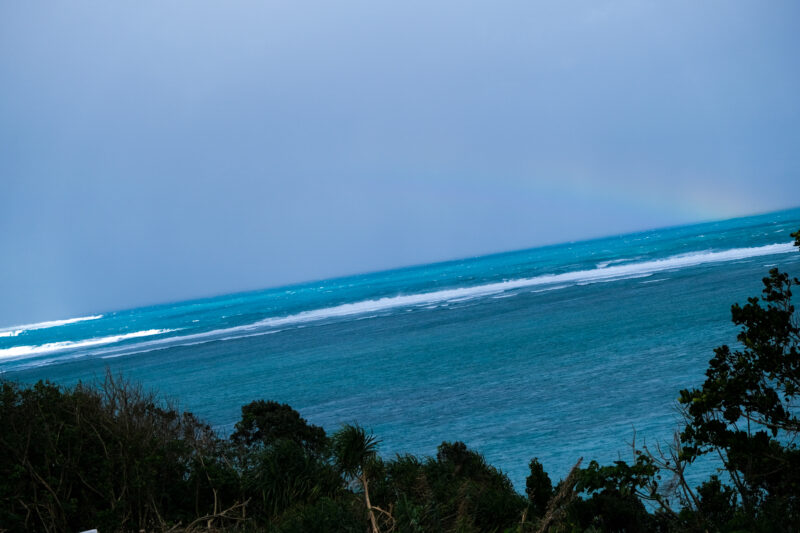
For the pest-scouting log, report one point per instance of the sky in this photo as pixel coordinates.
(159, 151)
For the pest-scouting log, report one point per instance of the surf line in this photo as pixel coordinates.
(548, 281)
(13, 331)
(27, 351)
(607, 273)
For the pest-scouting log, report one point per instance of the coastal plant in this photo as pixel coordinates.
(476, 495)
(457, 490)
(324, 516)
(746, 411)
(285, 475)
(614, 496)
(115, 457)
(267, 422)
(110, 456)
(353, 449)
(538, 488)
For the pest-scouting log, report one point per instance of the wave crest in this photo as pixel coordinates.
(27, 351)
(13, 331)
(602, 273)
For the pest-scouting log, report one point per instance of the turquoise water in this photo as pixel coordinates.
(555, 352)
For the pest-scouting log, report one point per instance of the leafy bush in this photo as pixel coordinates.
(110, 456)
(116, 458)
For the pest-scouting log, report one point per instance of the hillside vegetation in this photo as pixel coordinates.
(115, 457)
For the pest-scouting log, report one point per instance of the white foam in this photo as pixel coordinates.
(604, 264)
(154, 346)
(609, 273)
(553, 288)
(182, 340)
(462, 299)
(13, 331)
(27, 351)
(431, 300)
(616, 278)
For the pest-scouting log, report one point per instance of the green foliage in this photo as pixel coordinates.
(266, 422)
(717, 505)
(620, 477)
(286, 475)
(324, 516)
(538, 488)
(614, 501)
(482, 497)
(353, 447)
(113, 457)
(746, 410)
(455, 491)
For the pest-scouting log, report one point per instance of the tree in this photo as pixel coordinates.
(746, 411)
(353, 448)
(475, 495)
(267, 422)
(283, 460)
(110, 456)
(538, 488)
(283, 476)
(614, 496)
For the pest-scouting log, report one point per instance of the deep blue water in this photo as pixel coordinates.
(555, 352)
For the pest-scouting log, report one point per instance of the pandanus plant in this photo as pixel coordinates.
(353, 448)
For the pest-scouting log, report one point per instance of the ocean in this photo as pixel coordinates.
(555, 352)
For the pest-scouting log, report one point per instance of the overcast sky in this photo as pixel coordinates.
(158, 151)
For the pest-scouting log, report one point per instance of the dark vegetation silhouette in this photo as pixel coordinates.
(114, 457)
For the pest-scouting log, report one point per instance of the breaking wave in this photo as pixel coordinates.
(605, 273)
(602, 273)
(13, 331)
(27, 351)
(547, 282)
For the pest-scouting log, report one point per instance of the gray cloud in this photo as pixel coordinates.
(152, 152)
